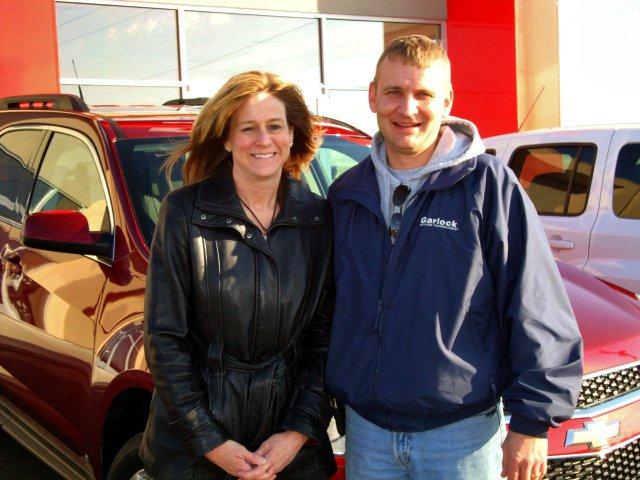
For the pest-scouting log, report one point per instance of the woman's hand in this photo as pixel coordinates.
(281, 448)
(236, 460)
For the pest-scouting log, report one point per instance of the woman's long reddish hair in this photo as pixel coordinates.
(205, 149)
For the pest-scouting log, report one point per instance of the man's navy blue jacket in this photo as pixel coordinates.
(468, 305)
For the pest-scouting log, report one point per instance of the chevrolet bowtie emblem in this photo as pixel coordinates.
(594, 434)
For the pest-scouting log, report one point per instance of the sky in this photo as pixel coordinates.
(599, 49)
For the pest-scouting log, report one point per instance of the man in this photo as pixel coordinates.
(447, 296)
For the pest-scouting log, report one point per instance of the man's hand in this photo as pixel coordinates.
(236, 460)
(281, 448)
(524, 457)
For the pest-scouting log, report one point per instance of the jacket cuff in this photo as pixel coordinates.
(310, 415)
(525, 426)
(304, 423)
(198, 432)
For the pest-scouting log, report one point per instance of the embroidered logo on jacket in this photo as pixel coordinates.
(439, 222)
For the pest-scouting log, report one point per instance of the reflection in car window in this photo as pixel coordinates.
(335, 156)
(16, 149)
(68, 179)
(626, 186)
(142, 160)
(310, 176)
(557, 178)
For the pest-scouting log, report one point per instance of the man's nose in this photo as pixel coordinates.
(409, 105)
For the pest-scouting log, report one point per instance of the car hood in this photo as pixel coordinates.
(609, 320)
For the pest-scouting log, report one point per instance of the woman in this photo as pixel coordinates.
(236, 327)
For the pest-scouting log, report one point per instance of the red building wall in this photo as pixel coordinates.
(28, 47)
(482, 47)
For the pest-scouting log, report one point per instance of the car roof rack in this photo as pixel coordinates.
(190, 102)
(45, 101)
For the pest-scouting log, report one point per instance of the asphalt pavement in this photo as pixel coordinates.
(16, 463)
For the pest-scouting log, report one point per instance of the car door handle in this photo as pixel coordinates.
(561, 244)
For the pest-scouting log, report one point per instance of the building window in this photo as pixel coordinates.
(352, 48)
(220, 45)
(134, 55)
(115, 47)
(123, 95)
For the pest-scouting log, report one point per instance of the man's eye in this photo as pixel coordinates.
(393, 92)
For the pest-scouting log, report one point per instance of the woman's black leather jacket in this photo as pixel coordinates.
(236, 329)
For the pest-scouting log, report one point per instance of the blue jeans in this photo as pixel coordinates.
(466, 450)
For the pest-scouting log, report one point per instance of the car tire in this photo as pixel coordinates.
(127, 461)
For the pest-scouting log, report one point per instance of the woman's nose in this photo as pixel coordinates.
(263, 137)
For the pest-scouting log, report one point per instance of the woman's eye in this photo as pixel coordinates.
(247, 129)
(275, 127)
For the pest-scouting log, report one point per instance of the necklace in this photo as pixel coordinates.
(263, 229)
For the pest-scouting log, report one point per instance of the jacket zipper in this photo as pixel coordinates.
(378, 328)
(380, 316)
(381, 301)
(256, 308)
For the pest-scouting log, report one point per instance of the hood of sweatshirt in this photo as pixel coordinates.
(459, 142)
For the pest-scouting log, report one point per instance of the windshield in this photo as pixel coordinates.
(142, 160)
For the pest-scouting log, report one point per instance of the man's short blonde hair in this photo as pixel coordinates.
(417, 50)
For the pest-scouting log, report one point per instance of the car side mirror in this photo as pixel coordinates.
(64, 231)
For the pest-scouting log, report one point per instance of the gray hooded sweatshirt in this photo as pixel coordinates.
(459, 141)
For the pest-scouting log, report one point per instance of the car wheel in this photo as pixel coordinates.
(127, 461)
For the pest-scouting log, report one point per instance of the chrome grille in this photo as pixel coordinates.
(605, 387)
(621, 464)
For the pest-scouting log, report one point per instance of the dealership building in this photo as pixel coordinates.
(505, 53)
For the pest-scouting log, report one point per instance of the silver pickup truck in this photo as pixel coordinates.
(585, 185)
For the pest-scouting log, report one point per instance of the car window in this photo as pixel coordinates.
(68, 179)
(142, 160)
(557, 178)
(626, 186)
(338, 154)
(310, 176)
(16, 150)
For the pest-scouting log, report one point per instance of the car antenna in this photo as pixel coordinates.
(76, 72)
(531, 108)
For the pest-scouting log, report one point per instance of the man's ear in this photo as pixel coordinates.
(372, 97)
(448, 102)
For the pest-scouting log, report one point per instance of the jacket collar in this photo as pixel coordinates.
(360, 184)
(362, 178)
(447, 177)
(217, 194)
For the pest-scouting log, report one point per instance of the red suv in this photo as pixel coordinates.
(79, 198)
